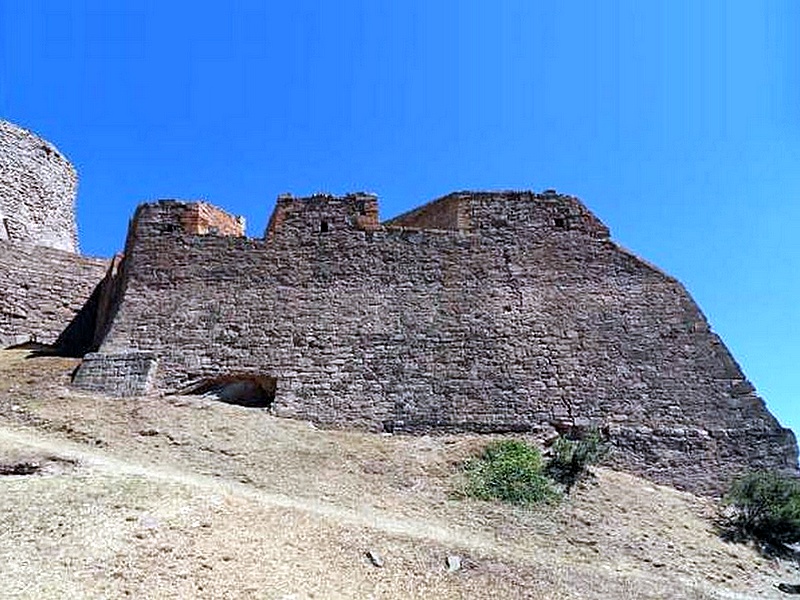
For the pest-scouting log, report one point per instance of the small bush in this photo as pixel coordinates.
(570, 459)
(765, 507)
(511, 471)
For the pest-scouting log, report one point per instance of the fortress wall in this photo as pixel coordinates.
(521, 324)
(37, 191)
(43, 291)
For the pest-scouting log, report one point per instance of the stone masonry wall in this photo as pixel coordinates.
(37, 191)
(327, 213)
(120, 375)
(523, 316)
(43, 291)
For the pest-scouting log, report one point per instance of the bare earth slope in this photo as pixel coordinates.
(187, 498)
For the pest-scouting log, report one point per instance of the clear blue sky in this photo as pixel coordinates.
(678, 123)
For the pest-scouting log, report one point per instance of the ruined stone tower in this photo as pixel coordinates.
(37, 191)
(44, 284)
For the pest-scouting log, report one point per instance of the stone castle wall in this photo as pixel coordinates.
(483, 311)
(46, 290)
(37, 191)
(44, 294)
(496, 312)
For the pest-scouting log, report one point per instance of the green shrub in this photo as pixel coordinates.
(511, 471)
(570, 459)
(764, 506)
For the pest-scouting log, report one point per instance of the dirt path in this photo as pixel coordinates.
(104, 462)
(184, 497)
(425, 531)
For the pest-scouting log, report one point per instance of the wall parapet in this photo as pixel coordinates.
(322, 213)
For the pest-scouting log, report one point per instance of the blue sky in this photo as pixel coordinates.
(676, 122)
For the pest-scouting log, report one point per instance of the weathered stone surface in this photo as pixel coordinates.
(124, 374)
(44, 294)
(507, 311)
(44, 286)
(37, 191)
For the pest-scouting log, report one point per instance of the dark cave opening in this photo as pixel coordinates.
(254, 391)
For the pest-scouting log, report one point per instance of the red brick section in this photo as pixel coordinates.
(201, 218)
(450, 212)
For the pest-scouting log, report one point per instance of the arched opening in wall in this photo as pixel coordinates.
(255, 391)
(323, 227)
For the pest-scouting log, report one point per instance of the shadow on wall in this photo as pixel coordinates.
(78, 337)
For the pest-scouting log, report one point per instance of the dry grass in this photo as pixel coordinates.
(183, 498)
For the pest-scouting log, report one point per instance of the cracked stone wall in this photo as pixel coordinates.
(37, 191)
(507, 311)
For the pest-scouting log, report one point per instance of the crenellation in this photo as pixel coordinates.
(297, 218)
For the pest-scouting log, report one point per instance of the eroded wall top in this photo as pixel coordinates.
(37, 191)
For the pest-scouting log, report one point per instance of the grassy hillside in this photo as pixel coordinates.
(182, 497)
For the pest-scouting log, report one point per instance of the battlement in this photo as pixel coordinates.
(295, 219)
(323, 213)
(503, 210)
